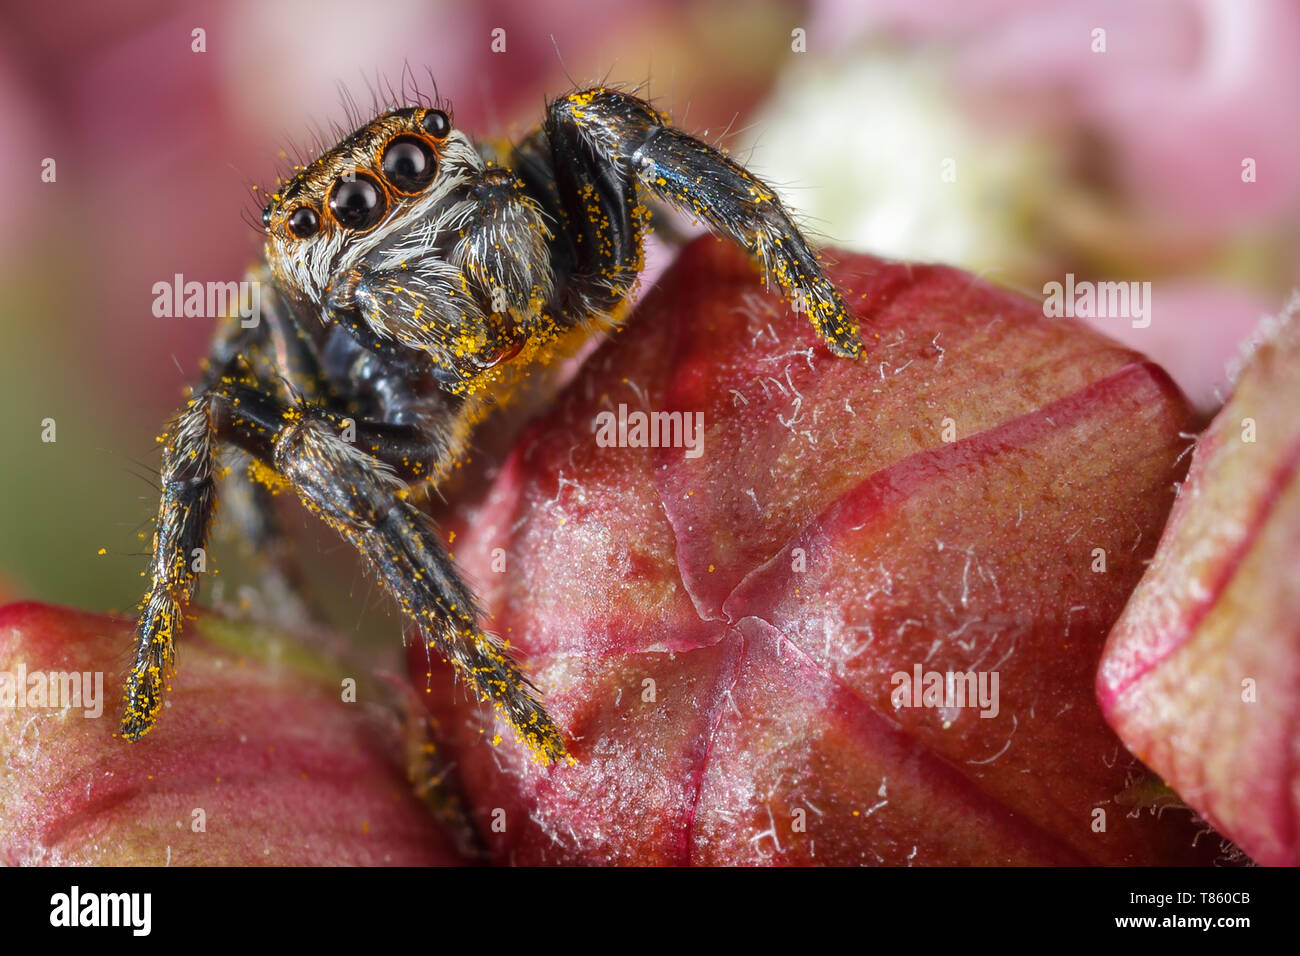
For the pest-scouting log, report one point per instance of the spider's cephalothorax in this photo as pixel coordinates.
(407, 270)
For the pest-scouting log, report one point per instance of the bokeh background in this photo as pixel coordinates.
(1117, 164)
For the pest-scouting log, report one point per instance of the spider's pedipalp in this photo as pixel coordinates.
(432, 306)
(504, 245)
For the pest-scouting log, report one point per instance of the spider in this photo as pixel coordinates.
(408, 273)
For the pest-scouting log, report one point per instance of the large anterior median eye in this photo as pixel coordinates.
(357, 203)
(409, 164)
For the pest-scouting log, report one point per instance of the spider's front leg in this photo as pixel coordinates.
(591, 131)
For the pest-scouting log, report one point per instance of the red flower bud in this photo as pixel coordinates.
(1201, 676)
(741, 632)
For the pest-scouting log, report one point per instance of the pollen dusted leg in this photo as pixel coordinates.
(603, 142)
(360, 495)
(368, 507)
(184, 516)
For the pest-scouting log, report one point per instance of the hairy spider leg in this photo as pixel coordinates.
(277, 350)
(360, 494)
(184, 516)
(602, 141)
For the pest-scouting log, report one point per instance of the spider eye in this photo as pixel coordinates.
(436, 124)
(303, 222)
(409, 164)
(266, 216)
(357, 203)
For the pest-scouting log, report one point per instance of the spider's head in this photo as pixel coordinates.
(362, 195)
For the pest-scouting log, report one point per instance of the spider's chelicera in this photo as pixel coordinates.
(408, 272)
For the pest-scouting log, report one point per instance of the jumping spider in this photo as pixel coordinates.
(408, 271)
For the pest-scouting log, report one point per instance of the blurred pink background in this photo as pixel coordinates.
(1122, 164)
